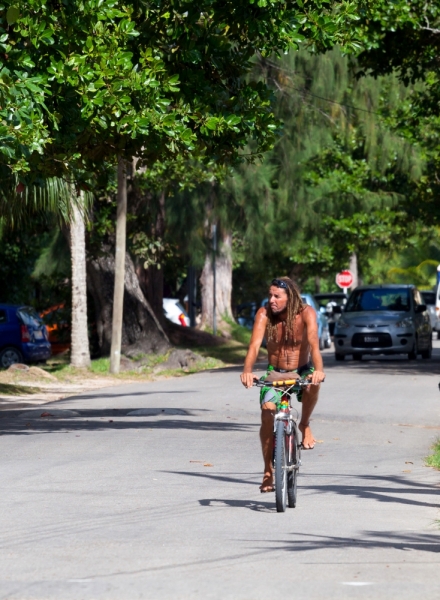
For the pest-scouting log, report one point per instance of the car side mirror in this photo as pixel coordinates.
(420, 308)
(337, 310)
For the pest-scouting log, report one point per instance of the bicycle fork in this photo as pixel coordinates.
(291, 440)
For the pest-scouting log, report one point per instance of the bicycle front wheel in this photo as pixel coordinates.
(292, 476)
(280, 464)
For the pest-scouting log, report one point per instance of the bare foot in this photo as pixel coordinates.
(267, 485)
(308, 441)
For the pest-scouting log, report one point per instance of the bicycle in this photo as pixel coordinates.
(287, 447)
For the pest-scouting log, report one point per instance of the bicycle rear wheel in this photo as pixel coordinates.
(292, 476)
(280, 471)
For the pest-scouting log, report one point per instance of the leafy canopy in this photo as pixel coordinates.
(84, 80)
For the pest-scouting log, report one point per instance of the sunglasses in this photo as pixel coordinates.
(280, 283)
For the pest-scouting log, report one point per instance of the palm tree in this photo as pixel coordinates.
(58, 197)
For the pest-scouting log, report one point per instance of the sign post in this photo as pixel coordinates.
(344, 279)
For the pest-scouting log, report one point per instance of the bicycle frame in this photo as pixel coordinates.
(290, 424)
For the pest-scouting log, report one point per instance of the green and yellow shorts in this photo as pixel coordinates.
(269, 394)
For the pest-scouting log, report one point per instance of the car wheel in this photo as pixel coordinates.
(321, 343)
(428, 352)
(438, 335)
(339, 356)
(357, 356)
(10, 356)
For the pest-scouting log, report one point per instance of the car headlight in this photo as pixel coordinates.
(341, 324)
(405, 322)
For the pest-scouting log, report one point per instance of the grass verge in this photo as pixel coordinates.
(433, 460)
(10, 389)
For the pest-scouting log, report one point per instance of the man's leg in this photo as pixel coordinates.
(309, 400)
(266, 436)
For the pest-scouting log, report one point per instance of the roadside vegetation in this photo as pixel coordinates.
(433, 460)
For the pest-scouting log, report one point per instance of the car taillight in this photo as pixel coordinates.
(25, 335)
(182, 320)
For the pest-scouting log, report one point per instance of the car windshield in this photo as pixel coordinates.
(29, 316)
(379, 299)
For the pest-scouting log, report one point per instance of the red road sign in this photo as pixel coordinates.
(344, 279)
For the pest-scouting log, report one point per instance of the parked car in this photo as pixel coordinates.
(327, 303)
(428, 298)
(384, 319)
(58, 323)
(246, 314)
(325, 340)
(175, 312)
(323, 329)
(23, 336)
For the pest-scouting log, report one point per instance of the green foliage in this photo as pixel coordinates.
(84, 80)
(151, 251)
(434, 459)
(423, 275)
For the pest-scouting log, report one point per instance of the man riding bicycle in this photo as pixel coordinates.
(291, 331)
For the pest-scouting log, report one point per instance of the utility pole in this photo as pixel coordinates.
(214, 252)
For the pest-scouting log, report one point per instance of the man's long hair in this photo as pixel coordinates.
(294, 306)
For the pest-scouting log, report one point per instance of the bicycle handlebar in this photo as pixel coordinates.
(283, 383)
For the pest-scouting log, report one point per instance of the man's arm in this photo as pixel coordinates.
(247, 377)
(311, 325)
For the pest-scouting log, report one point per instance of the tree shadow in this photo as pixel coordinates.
(369, 540)
(391, 493)
(105, 419)
(381, 489)
(385, 365)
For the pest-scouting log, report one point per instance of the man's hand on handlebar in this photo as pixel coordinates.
(247, 379)
(317, 377)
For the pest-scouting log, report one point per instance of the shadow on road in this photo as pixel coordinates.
(381, 489)
(385, 365)
(110, 419)
(369, 540)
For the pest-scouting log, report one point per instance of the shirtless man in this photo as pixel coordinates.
(291, 331)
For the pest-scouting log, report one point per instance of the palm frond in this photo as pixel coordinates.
(52, 196)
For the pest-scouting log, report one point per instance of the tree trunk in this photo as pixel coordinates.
(121, 241)
(80, 353)
(223, 284)
(141, 331)
(354, 270)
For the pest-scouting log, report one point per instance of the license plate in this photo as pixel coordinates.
(38, 335)
(371, 338)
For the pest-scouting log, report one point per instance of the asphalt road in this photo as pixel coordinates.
(99, 503)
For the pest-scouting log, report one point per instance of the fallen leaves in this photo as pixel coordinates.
(46, 414)
(208, 465)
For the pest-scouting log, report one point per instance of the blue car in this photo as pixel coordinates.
(325, 340)
(23, 336)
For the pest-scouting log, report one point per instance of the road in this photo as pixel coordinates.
(98, 503)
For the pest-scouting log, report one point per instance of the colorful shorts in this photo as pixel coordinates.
(269, 394)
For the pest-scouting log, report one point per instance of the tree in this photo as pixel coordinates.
(114, 86)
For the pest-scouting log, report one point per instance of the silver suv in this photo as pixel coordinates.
(384, 319)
